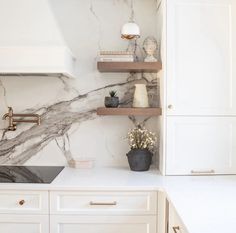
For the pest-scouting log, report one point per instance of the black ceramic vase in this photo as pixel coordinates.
(139, 159)
(111, 102)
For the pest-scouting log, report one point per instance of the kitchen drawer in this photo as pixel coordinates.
(125, 203)
(24, 202)
(24, 223)
(102, 224)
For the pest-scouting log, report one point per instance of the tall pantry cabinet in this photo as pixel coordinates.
(199, 87)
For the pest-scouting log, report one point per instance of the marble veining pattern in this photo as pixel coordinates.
(68, 107)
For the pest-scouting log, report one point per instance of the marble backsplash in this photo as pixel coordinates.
(70, 126)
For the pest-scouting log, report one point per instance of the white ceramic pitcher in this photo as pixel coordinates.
(140, 96)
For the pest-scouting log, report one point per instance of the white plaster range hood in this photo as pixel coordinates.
(31, 42)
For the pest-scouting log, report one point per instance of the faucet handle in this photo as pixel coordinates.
(10, 111)
(8, 114)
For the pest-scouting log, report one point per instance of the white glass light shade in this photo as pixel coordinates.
(130, 31)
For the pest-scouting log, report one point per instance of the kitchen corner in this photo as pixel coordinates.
(117, 116)
(197, 200)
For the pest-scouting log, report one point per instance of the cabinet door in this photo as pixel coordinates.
(102, 224)
(24, 223)
(175, 223)
(201, 57)
(201, 145)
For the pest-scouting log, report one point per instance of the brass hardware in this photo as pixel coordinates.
(203, 172)
(21, 202)
(176, 229)
(103, 203)
(170, 106)
(12, 121)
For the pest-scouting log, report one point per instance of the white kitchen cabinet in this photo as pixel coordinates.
(102, 224)
(200, 145)
(175, 225)
(201, 57)
(24, 223)
(78, 211)
(103, 211)
(24, 211)
(198, 90)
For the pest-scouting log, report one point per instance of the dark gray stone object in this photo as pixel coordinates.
(139, 159)
(111, 102)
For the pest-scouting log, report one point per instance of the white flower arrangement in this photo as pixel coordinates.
(141, 138)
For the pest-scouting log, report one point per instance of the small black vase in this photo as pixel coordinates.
(111, 102)
(139, 159)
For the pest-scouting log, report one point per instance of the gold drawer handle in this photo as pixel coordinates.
(176, 229)
(103, 203)
(203, 172)
(21, 202)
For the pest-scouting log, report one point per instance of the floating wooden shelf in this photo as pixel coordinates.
(149, 67)
(129, 111)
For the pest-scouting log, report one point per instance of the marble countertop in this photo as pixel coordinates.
(206, 204)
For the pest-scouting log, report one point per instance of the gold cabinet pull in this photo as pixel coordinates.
(176, 229)
(103, 203)
(203, 172)
(21, 202)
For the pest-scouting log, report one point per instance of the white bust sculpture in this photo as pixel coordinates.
(150, 47)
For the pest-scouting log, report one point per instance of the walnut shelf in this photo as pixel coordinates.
(129, 111)
(149, 67)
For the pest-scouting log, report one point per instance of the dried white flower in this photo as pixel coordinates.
(141, 138)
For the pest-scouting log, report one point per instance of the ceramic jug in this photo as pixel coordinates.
(140, 96)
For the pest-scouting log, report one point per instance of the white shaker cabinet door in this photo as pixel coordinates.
(201, 145)
(102, 224)
(24, 223)
(175, 223)
(201, 57)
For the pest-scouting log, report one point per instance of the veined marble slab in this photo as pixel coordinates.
(70, 126)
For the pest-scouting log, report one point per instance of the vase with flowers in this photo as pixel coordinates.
(142, 142)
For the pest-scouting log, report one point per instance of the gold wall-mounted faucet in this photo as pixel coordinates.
(35, 118)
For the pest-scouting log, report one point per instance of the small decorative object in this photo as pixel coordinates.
(150, 47)
(140, 96)
(131, 31)
(81, 163)
(116, 56)
(141, 142)
(112, 101)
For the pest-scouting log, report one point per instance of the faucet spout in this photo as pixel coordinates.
(12, 118)
(5, 116)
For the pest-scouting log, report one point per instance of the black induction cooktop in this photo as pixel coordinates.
(28, 174)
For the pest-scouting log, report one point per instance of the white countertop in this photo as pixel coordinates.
(96, 179)
(206, 204)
